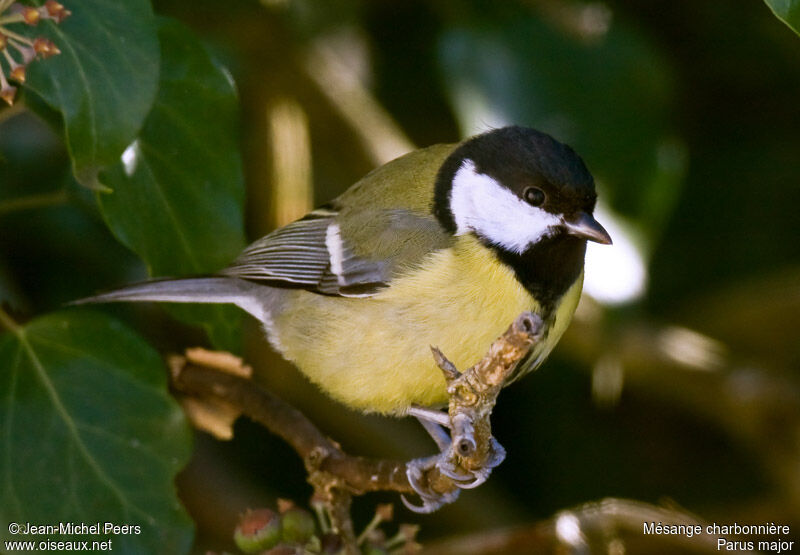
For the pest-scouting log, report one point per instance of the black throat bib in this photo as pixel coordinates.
(548, 268)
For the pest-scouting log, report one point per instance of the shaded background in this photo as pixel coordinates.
(677, 382)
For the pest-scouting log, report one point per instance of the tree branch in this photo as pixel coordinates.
(357, 474)
(336, 475)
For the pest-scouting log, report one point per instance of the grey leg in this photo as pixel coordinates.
(438, 434)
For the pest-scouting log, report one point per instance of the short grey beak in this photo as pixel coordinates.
(586, 227)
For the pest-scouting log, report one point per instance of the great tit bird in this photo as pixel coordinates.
(444, 246)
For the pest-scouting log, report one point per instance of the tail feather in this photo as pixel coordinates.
(242, 293)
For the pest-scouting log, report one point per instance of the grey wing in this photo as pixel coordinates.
(311, 254)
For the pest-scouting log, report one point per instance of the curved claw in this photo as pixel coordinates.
(498, 454)
(450, 471)
(416, 468)
(464, 481)
(479, 477)
(421, 509)
(430, 503)
(472, 479)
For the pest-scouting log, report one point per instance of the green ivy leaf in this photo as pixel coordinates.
(787, 11)
(103, 82)
(89, 433)
(178, 193)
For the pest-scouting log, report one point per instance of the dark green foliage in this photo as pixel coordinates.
(104, 81)
(89, 433)
(685, 112)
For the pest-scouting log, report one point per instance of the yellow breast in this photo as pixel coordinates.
(373, 353)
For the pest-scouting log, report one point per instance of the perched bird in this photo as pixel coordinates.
(444, 246)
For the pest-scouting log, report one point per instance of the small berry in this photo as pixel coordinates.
(298, 525)
(18, 74)
(31, 15)
(7, 93)
(56, 11)
(258, 530)
(45, 48)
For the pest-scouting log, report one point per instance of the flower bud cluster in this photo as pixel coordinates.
(17, 50)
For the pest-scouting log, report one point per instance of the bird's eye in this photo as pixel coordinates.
(533, 196)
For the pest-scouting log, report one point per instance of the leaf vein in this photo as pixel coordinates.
(62, 412)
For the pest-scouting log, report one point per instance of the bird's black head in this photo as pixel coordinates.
(529, 198)
(514, 187)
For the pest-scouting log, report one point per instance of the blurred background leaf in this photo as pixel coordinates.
(89, 432)
(677, 382)
(178, 193)
(787, 11)
(103, 82)
(578, 83)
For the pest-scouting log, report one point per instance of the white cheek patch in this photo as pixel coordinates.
(481, 204)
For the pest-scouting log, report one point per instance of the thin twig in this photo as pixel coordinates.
(33, 201)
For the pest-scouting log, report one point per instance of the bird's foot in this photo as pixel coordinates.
(416, 471)
(472, 478)
(434, 422)
(448, 464)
